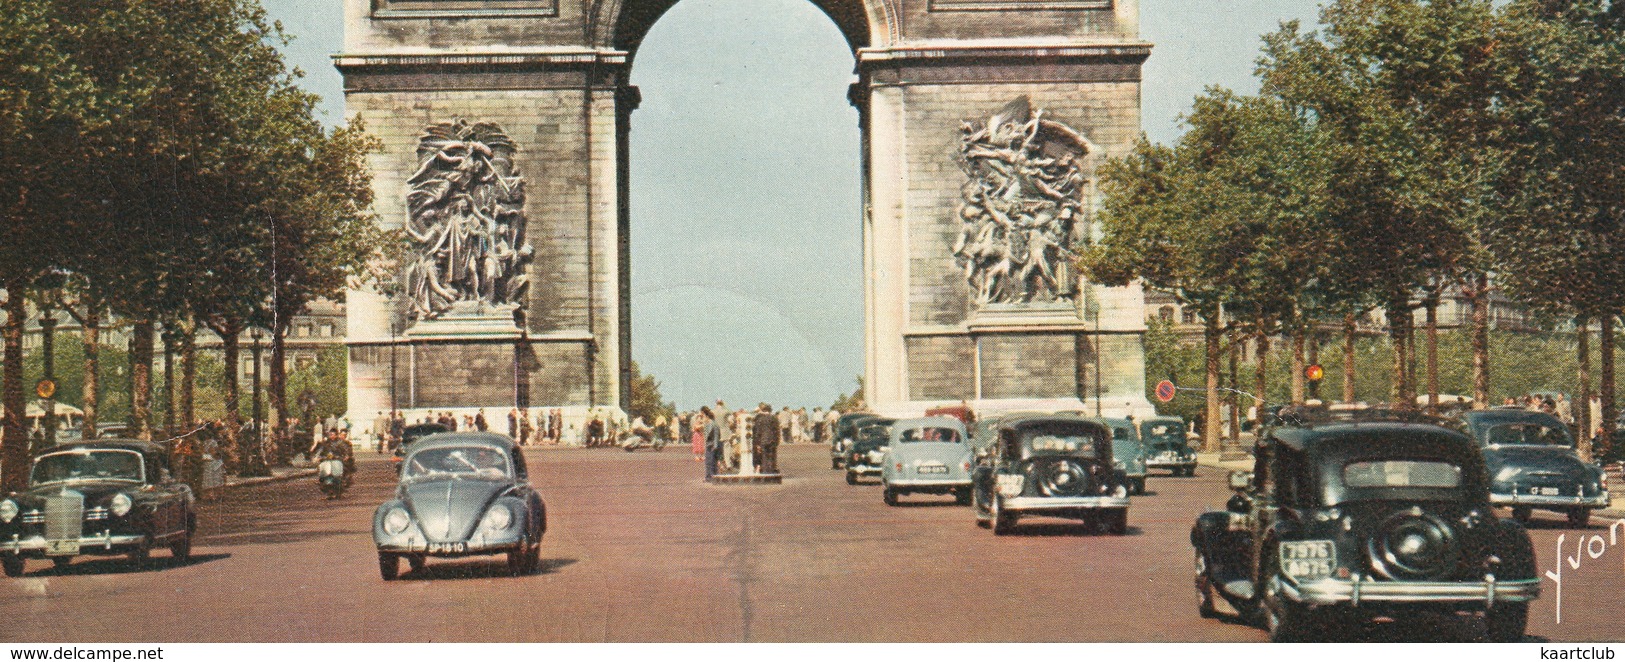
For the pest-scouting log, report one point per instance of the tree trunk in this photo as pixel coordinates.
(1261, 360)
(1348, 358)
(279, 394)
(1481, 342)
(188, 376)
(90, 402)
(228, 332)
(1235, 385)
(1433, 354)
(14, 457)
(1582, 405)
(1399, 326)
(1210, 422)
(1297, 366)
(141, 379)
(1605, 389)
(169, 383)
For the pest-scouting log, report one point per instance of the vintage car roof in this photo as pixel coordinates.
(902, 424)
(1423, 438)
(1162, 419)
(1028, 420)
(136, 445)
(1497, 415)
(463, 439)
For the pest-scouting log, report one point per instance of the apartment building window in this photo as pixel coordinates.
(1166, 313)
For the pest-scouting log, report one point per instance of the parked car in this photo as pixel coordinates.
(1532, 464)
(1053, 466)
(846, 430)
(410, 434)
(1343, 520)
(461, 494)
(981, 436)
(928, 456)
(962, 413)
(868, 449)
(104, 498)
(1166, 446)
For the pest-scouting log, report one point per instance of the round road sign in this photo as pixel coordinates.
(1314, 372)
(1165, 390)
(45, 388)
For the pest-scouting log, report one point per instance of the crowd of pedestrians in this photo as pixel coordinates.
(725, 439)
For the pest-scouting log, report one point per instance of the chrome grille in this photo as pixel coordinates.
(96, 513)
(64, 516)
(33, 517)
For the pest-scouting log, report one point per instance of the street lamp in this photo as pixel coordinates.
(521, 386)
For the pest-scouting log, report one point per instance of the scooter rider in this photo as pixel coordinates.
(337, 446)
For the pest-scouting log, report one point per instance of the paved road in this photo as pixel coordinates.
(639, 550)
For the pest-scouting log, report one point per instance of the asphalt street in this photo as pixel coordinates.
(640, 549)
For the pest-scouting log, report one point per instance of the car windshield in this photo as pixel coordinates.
(1401, 473)
(1164, 432)
(1526, 433)
(948, 435)
(457, 461)
(79, 465)
(1057, 443)
(1122, 433)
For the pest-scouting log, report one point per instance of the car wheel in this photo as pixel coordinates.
(851, 478)
(1003, 522)
(962, 496)
(1114, 521)
(1507, 621)
(980, 509)
(1139, 486)
(417, 562)
(1286, 621)
(834, 464)
(389, 565)
(14, 565)
(516, 561)
(1580, 518)
(142, 552)
(1522, 513)
(533, 560)
(181, 549)
(890, 496)
(1204, 588)
(61, 562)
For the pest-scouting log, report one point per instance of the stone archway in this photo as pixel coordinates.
(981, 121)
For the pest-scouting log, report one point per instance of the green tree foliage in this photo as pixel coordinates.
(646, 399)
(850, 402)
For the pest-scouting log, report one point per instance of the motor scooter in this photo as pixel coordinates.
(641, 438)
(330, 477)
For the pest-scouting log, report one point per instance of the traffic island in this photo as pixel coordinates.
(747, 479)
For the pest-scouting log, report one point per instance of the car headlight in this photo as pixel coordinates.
(396, 520)
(1120, 492)
(120, 505)
(497, 518)
(8, 510)
(1118, 464)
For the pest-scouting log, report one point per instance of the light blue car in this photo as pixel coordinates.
(1127, 451)
(927, 456)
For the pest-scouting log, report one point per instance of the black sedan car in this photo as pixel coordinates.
(461, 494)
(410, 434)
(1532, 464)
(104, 498)
(1342, 521)
(1052, 466)
(846, 430)
(868, 449)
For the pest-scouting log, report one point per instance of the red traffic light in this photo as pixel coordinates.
(1314, 373)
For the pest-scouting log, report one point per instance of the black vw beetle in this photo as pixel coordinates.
(461, 494)
(1362, 519)
(104, 498)
(1053, 466)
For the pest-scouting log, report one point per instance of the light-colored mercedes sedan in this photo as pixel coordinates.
(927, 456)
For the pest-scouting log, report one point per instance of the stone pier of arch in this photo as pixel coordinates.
(553, 74)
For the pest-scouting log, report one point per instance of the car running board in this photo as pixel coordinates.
(1241, 588)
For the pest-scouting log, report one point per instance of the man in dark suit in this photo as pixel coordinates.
(765, 440)
(713, 441)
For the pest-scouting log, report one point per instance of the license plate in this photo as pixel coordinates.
(928, 469)
(1544, 491)
(447, 547)
(1308, 559)
(61, 547)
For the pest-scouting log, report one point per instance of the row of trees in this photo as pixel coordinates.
(1406, 149)
(164, 170)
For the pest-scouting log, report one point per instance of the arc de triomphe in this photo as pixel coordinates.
(505, 125)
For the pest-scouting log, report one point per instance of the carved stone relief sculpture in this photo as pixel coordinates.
(466, 222)
(1021, 206)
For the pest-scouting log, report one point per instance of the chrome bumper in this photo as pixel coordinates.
(1169, 464)
(863, 469)
(105, 541)
(1599, 501)
(1358, 590)
(1030, 504)
(929, 482)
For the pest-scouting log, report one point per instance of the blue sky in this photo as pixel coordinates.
(747, 282)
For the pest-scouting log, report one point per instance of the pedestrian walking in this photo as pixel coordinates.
(713, 442)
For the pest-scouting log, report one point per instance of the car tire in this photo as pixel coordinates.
(851, 478)
(1139, 486)
(1204, 588)
(889, 495)
(181, 549)
(389, 565)
(962, 496)
(13, 565)
(142, 552)
(533, 560)
(1506, 622)
(1003, 523)
(416, 562)
(1522, 513)
(516, 561)
(834, 464)
(1580, 518)
(61, 562)
(1286, 621)
(1114, 521)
